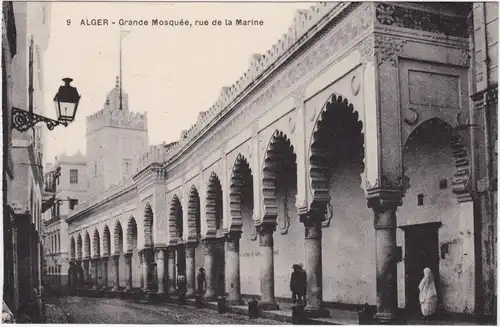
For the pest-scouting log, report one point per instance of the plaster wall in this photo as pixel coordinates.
(288, 248)
(199, 260)
(348, 243)
(136, 266)
(249, 261)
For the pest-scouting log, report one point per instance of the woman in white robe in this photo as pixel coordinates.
(428, 294)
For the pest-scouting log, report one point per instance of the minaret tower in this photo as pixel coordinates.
(116, 138)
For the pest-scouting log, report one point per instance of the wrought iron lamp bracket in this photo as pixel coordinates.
(23, 120)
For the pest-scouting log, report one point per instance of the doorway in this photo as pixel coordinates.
(181, 260)
(421, 251)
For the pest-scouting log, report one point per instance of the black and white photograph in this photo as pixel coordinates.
(257, 163)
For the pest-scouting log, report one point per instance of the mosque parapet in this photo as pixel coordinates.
(156, 154)
(304, 22)
(117, 118)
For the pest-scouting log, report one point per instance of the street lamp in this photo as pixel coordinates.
(66, 103)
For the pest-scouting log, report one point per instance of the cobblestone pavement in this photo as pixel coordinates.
(116, 311)
(54, 314)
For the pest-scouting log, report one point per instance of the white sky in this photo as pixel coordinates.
(172, 73)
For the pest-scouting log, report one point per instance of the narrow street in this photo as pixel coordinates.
(116, 311)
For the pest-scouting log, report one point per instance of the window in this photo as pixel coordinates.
(127, 163)
(72, 204)
(73, 176)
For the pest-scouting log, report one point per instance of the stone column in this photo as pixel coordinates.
(313, 233)
(146, 268)
(386, 257)
(128, 271)
(171, 269)
(74, 275)
(209, 263)
(160, 266)
(79, 275)
(95, 272)
(105, 272)
(71, 275)
(233, 267)
(86, 275)
(190, 269)
(266, 243)
(116, 268)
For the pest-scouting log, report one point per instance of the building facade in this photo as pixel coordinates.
(357, 145)
(66, 179)
(28, 24)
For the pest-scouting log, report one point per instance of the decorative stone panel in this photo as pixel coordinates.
(389, 14)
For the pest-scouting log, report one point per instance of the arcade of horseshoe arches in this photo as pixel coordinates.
(340, 148)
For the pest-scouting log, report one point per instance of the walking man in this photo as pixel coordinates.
(298, 284)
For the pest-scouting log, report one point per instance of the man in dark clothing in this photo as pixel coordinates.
(298, 283)
(200, 281)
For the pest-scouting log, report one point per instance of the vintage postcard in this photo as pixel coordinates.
(250, 162)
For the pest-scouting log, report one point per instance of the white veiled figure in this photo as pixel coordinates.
(428, 294)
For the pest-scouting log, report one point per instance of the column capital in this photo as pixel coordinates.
(313, 229)
(313, 216)
(171, 252)
(190, 250)
(380, 205)
(210, 240)
(128, 258)
(233, 241)
(266, 228)
(160, 253)
(233, 235)
(385, 212)
(160, 249)
(191, 245)
(208, 245)
(265, 231)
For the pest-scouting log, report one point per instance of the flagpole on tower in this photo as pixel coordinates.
(123, 34)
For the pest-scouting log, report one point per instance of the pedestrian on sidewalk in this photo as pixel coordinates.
(298, 283)
(428, 294)
(181, 283)
(201, 281)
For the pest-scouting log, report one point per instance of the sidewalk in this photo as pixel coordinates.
(338, 316)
